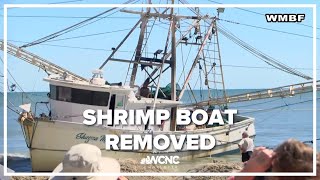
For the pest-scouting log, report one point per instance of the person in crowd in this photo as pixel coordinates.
(246, 147)
(290, 156)
(86, 158)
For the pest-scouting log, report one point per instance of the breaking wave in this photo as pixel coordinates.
(17, 162)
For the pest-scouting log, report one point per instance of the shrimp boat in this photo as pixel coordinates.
(50, 135)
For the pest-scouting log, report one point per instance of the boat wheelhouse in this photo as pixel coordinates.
(70, 98)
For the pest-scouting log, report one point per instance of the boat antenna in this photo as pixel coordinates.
(219, 10)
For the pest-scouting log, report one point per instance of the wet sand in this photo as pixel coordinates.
(135, 166)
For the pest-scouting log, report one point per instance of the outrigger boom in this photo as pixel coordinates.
(283, 91)
(46, 65)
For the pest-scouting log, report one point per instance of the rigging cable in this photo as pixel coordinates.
(13, 110)
(183, 71)
(65, 2)
(182, 59)
(89, 35)
(163, 60)
(19, 87)
(277, 107)
(185, 63)
(262, 56)
(264, 28)
(275, 114)
(310, 142)
(267, 59)
(201, 89)
(16, 84)
(75, 47)
(248, 105)
(62, 2)
(145, 46)
(269, 29)
(10, 108)
(258, 13)
(261, 67)
(192, 93)
(70, 28)
(68, 17)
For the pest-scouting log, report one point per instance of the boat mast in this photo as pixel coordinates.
(118, 47)
(205, 46)
(219, 56)
(196, 60)
(173, 70)
(138, 54)
(141, 60)
(195, 22)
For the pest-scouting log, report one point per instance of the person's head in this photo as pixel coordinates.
(245, 135)
(318, 167)
(289, 157)
(86, 158)
(292, 156)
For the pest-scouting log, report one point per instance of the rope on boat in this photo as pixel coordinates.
(226, 142)
(310, 142)
(278, 107)
(15, 111)
(260, 55)
(184, 62)
(17, 85)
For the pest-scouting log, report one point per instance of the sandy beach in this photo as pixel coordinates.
(134, 166)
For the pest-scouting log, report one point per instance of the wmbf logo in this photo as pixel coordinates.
(285, 17)
(160, 160)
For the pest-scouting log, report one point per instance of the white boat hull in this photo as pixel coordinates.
(49, 140)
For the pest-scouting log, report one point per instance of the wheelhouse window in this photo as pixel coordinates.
(100, 98)
(79, 96)
(53, 92)
(64, 94)
(120, 101)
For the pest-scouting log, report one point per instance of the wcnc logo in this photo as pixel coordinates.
(285, 17)
(160, 160)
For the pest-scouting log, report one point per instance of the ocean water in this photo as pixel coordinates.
(277, 119)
